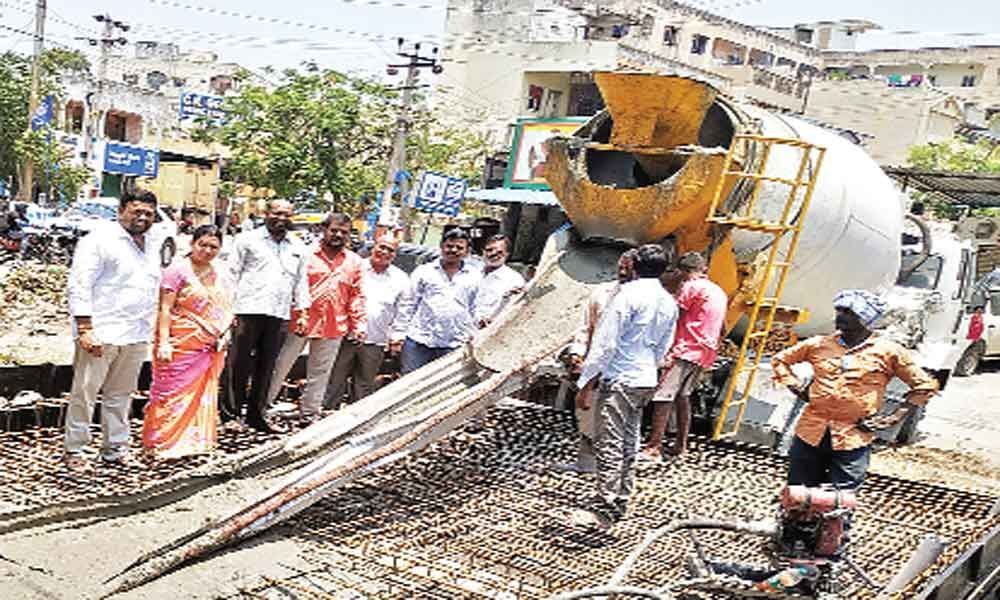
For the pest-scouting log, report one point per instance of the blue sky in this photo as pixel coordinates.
(350, 35)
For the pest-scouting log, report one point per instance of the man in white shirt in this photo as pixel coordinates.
(619, 377)
(269, 270)
(499, 283)
(436, 317)
(113, 287)
(586, 419)
(385, 288)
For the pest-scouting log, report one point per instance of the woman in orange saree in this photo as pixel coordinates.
(189, 352)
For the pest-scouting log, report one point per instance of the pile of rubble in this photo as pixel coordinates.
(32, 303)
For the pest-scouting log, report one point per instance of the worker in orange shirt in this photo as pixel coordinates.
(851, 370)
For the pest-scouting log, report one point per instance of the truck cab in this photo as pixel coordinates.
(928, 304)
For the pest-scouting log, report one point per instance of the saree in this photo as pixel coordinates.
(182, 412)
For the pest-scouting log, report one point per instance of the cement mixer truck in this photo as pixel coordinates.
(789, 213)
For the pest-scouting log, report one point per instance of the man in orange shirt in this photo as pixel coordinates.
(337, 310)
(851, 370)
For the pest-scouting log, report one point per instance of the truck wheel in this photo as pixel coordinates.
(969, 363)
(167, 252)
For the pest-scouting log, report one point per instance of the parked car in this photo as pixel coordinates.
(83, 216)
(987, 347)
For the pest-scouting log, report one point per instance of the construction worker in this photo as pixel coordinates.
(575, 353)
(619, 376)
(851, 370)
(702, 307)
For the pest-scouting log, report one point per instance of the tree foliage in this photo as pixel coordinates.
(321, 133)
(954, 155)
(16, 143)
(53, 169)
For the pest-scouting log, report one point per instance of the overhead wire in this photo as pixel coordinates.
(468, 97)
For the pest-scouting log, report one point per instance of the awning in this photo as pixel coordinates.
(513, 196)
(978, 190)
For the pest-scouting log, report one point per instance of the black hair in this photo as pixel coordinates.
(137, 195)
(650, 261)
(499, 238)
(339, 217)
(692, 262)
(454, 235)
(204, 231)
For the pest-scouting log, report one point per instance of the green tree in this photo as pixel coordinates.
(320, 132)
(954, 155)
(53, 170)
(15, 88)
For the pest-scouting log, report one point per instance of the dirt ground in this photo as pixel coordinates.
(34, 319)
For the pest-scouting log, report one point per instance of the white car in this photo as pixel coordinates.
(84, 215)
(987, 347)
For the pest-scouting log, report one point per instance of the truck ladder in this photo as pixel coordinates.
(785, 232)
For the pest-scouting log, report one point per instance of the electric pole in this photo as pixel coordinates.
(397, 161)
(106, 43)
(26, 190)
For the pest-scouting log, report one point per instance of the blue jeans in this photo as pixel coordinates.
(815, 465)
(416, 355)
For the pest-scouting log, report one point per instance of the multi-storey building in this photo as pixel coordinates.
(509, 59)
(135, 99)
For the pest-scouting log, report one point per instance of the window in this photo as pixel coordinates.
(550, 107)
(699, 44)
(535, 94)
(669, 35)
(968, 81)
(156, 79)
(920, 272)
(74, 117)
(221, 84)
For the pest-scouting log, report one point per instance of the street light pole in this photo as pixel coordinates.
(95, 123)
(26, 190)
(397, 160)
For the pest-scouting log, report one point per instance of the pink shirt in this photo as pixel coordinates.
(703, 311)
(975, 327)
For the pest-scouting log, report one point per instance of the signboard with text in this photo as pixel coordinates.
(43, 113)
(439, 193)
(200, 105)
(126, 159)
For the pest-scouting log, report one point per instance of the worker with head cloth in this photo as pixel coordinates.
(851, 370)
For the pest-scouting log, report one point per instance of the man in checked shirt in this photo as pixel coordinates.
(851, 370)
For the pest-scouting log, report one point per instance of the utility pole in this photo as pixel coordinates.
(26, 190)
(397, 162)
(95, 126)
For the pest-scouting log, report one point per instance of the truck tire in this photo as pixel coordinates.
(969, 363)
(167, 252)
